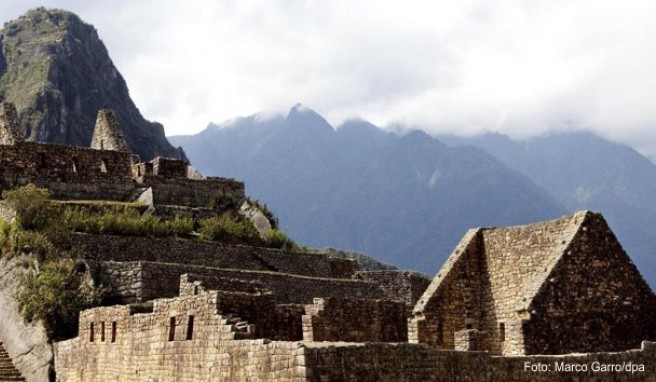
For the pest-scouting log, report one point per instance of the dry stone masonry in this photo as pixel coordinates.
(106, 171)
(556, 287)
(10, 132)
(551, 301)
(108, 134)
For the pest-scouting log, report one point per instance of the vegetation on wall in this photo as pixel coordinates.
(31, 205)
(124, 221)
(56, 295)
(231, 231)
(57, 290)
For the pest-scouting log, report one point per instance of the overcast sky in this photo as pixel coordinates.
(520, 67)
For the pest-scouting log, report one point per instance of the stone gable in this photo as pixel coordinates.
(554, 287)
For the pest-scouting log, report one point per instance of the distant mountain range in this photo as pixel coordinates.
(408, 199)
(405, 200)
(57, 72)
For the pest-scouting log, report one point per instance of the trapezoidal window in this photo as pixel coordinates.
(91, 332)
(502, 332)
(102, 331)
(113, 331)
(190, 328)
(42, 160)
(172, 329)
(103, 166)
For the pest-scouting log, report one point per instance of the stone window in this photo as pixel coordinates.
(42, 160)
(502, 332)
(91, 332)
(76, 164)
(102, 331)
(190, 328)
(172, 329)
(113, 331)
(195, 290)
(440, 331)
(103, 166)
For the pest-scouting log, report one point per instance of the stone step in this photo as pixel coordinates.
(8, 373)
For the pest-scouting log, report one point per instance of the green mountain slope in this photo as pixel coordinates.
(58, 73)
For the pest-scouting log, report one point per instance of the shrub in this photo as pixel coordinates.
(14, 239)
(231, 231)
(56, 295)
(278, 239)
(223, 201)
(31, 205)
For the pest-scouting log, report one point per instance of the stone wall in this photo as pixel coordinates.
(211, 254)
(330, 319)
(548, 288)
(452, 300)
(70, 172)
(196, 337)
(517, 261)
(595, 299)
(191, 192)
(249, 301)
(183, 339)
(415, 362)
(143, 281)
(405, 284)
(169, 168)
(284, 361)
(92, 174)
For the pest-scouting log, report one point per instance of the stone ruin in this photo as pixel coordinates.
(108, 135)
(106, 171)
(558, 292)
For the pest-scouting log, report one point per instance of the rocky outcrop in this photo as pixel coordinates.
(26, 343)
(58, 73)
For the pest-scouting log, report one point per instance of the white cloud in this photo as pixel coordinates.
(515, 66)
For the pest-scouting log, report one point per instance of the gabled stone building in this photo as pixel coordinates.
(555, 287)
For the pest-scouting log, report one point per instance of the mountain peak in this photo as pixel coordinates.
(300, 116)
(58, 73)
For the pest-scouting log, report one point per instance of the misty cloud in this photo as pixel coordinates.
(518, 67)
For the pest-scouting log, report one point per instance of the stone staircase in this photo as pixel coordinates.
(236, 327)
(8, 372)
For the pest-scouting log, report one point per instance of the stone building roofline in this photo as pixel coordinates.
(582, 220)
(108, 134)
(469, 239)
(474, 240)
(559, 246)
